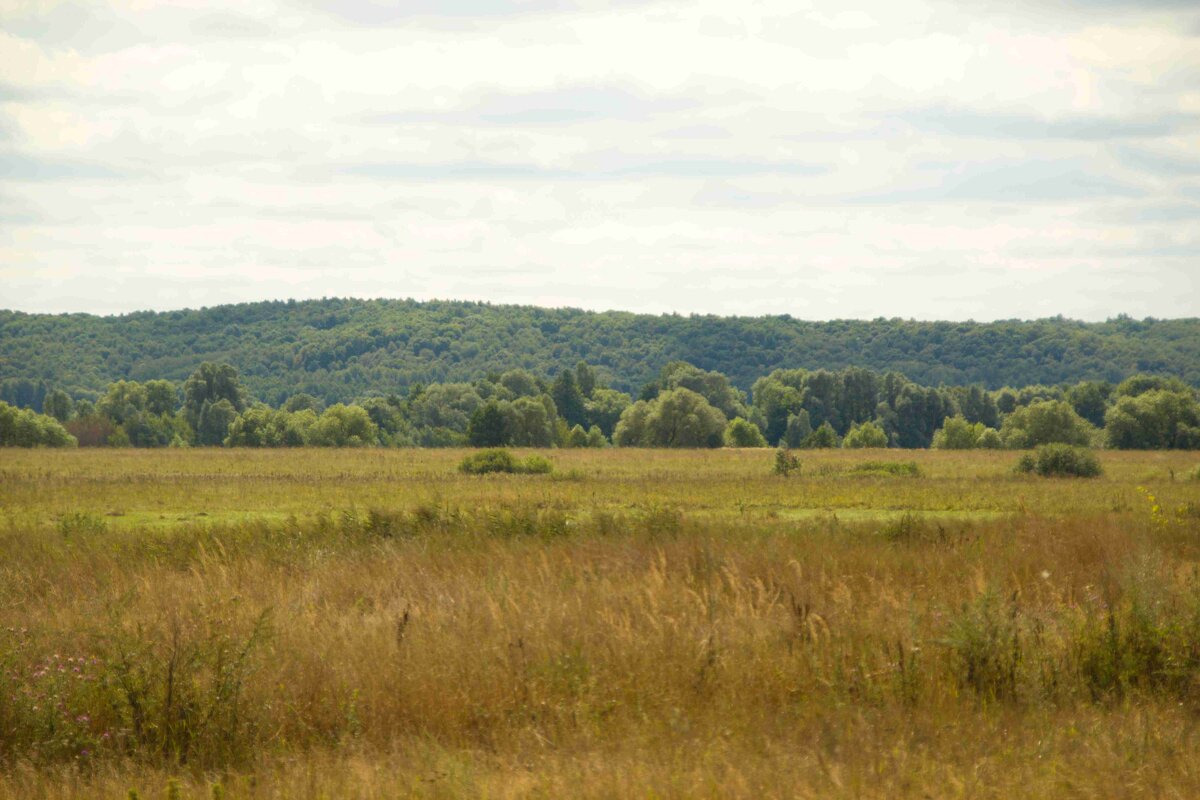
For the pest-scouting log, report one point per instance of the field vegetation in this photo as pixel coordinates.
(635, 623)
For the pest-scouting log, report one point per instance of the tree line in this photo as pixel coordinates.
(683, 406)
(339, 350)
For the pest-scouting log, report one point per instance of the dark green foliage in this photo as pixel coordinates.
(1060, 461)
(488, 461)
(568, 400)
(210, 384)
(487, 427)
(1090, 400)
(342, 349)
(214, 421)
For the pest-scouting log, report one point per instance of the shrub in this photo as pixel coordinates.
(786, 463)
(907, 469)
(487, 461)
(1060, 460)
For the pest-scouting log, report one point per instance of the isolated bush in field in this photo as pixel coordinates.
(786, 463)
(742, 433)
(1060, 460)
(865, 435)
(905, 469)
(497, 460)
(1045, 422)
(957, 433)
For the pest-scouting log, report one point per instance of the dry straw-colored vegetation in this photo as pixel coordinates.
(635, 624)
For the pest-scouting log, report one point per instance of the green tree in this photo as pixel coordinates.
(743, 433)
(683, 418)
(24, 427)
(162, 397)
(302, 401)
(714, 387)
(210, 384)
(123, 400)
(58, 404)
(1156, 419)
(823, 437)
(214, 422)
(585, 379)
(1140, 384)
(865, 435)
(1090, 400)
(798, 429)
(1045, 422)
(344, 426)
(520, 383)
(530, 421)
(604, 409)
(630, 430)
(595, 437)
(568, 399)
(957, 433)
(778, 397)
(488, 427)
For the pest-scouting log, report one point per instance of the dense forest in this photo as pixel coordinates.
(338, 350)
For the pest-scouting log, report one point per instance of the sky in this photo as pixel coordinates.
(929, 159)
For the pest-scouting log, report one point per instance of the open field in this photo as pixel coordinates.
(371, 623)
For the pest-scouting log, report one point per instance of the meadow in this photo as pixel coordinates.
(638, 623)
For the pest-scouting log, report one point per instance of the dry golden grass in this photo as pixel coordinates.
(640, 624)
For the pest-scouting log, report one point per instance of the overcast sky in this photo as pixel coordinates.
(913, 158)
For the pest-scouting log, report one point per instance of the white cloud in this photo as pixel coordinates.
(915, 158)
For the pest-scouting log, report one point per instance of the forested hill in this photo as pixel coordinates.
(341, 349)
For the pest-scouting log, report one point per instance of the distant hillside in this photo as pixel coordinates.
(340, 349)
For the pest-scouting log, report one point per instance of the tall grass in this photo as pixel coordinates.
(676, 624)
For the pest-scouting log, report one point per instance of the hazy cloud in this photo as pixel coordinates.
(909, 158)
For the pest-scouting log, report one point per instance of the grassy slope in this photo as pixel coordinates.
(676, 622)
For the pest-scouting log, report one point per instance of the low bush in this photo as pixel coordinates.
(786, 463)
(1060, 461)
(498, 460)
(907, 469)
